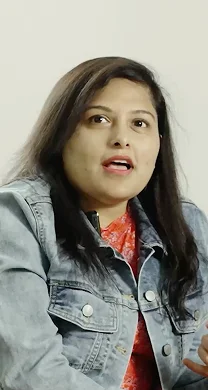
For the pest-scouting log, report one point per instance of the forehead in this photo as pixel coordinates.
(124, 92)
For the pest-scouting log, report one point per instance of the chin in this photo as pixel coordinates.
(116, 197)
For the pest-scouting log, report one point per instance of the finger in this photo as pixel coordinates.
(203, 354)
(204, 342)
(197, 368)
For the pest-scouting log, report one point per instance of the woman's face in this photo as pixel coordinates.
(112, 154)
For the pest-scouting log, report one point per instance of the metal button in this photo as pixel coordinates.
(87, 310)
(166, 350)
(197, 315)
(121, 349)
(128, 296)
(150, 296)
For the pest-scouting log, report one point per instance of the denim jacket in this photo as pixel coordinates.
(61, 329)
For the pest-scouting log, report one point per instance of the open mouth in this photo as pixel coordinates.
(118, 164)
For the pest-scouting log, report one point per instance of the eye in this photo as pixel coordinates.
(97, 119)
(140, 123)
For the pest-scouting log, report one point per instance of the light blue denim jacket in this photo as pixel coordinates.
(61, 329)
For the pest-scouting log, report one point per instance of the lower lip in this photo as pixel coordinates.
(118, 171)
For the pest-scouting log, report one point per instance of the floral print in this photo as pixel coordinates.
(141, 372)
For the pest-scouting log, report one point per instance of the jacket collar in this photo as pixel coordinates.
(148, 235)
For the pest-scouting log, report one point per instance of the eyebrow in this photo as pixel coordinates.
(107, 109)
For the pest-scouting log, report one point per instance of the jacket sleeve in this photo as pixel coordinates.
(30, 347)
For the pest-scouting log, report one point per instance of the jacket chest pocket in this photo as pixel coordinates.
(189, 331)
(86, 323)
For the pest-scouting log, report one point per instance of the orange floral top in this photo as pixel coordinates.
(141, 372)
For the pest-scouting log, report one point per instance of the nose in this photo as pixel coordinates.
(120, 137)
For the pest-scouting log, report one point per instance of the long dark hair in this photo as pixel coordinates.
(42, 154)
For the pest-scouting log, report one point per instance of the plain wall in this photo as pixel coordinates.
(40, 40)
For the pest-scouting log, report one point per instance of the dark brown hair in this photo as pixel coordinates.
(161, 199)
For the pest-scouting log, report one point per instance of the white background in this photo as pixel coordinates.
(40, 40)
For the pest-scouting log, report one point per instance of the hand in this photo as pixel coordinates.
(203, 354)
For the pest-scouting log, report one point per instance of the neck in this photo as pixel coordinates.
(107, 213)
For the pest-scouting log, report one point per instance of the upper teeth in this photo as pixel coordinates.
(120, 161)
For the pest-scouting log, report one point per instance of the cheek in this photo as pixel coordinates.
(74, 151)
(149, 154)
(151, 161)
(80, 159)
(82, 147)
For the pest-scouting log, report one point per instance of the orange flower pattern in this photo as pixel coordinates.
(142, 371)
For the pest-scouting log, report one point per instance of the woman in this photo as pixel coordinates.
(103, 265)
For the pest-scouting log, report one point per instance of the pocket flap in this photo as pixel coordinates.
(82, 308)
(193, 305)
